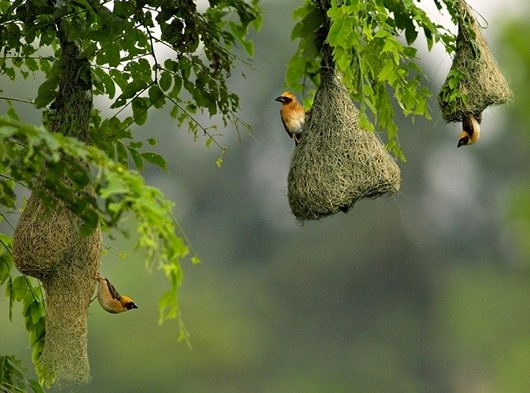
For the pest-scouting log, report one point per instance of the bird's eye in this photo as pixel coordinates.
(463, 141)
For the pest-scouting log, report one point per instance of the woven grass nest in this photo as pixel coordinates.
(48, 245)
(337, 163)
(474, 81)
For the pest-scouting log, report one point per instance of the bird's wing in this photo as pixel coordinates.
(285, 126)
(467, 125)
(113, 291)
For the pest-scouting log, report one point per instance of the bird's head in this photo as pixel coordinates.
(286, 98)
(464, 139)
(127, 302)
(470, 130)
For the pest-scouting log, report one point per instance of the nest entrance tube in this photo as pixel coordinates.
(474, 81)
(337, 162)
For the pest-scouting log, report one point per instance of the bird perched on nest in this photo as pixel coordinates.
(292, 114)
(470, 130)
(110, 299)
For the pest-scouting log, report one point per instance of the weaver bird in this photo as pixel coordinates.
(470, 130)
(292, 114)
(110, 299)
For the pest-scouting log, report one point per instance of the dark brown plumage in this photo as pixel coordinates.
(470, 130)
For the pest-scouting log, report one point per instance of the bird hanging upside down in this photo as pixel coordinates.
(292, 114)
(110, 299)
(470, 130)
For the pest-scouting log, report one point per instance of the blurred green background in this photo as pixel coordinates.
(428, 291)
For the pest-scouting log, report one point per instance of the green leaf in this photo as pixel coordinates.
(140, 70)
(6, 264)
(248, 46)
(157, 96)
(165, 81)
(309, 24)
(35, 386)
(137, 158)
(155, 159)
(46, 93)
(19, 288)
(140, 107)
(109, 87)
(130, 90)
(90, 50)
(112, 54)
(121, 153)
(342, 31)
(32, 64)
(167, 307)
(12, 113)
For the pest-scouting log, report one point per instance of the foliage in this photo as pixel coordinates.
(20, 289)
(143, 55)
(123, 191)
(12, 377)
(378, 66)
(130, 65)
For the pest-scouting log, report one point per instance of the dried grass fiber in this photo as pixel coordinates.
(480, 82)
(337, 163)
(48, 245)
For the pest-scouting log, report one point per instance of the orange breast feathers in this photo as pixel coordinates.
(292, 115)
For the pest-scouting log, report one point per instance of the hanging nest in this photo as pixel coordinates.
(474, 81)
(48, 242)
(48, 245)
(337, 163)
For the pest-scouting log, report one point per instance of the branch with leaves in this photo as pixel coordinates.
(143, 56)
(371, 44)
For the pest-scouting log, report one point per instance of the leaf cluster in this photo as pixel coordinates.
(141, 55)
(125, 44)
(21, 289)
(119, 191)
(371, 43)
(12, 377)
(144, 54)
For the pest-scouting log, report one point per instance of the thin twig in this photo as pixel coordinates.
(27, 101)
(14, 180)
(195, 121)
(8, 223)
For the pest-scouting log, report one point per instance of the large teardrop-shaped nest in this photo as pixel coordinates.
(48, 244)
(474, 81)
(42, 236)
(337, 162)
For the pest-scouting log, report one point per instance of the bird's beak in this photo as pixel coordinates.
(279, 99)
(462, 141)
